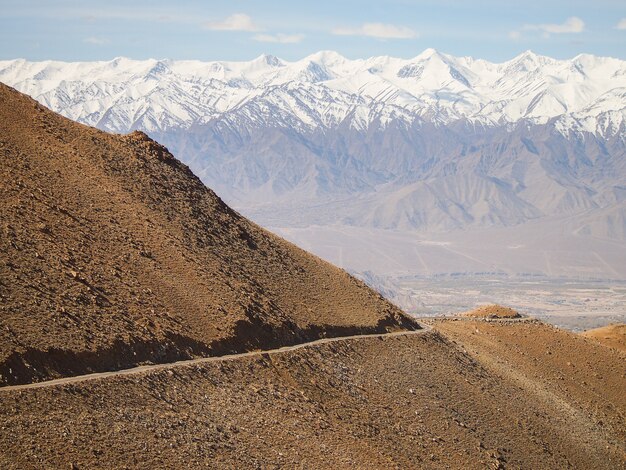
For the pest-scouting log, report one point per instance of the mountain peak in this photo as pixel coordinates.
(427, 54)
(487, 93)
(528, 53)
(529, 61)
(270, 60)
(326, 57)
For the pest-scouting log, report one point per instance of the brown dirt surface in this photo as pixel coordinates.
(613, 336)
(492, 311)
(112, 254)
(566, 372)
(419, 401)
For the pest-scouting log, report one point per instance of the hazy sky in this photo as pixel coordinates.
(243, 29)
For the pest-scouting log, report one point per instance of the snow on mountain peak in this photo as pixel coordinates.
(527, 61)
(270, 60)
(431, 86)
(326, 58)
(427, 54)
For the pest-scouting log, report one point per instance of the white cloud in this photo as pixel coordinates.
(571, 25)
(621, 24)
(515, 35)
(279, 38)
(96, 41)
(377, 30)
(236, 22)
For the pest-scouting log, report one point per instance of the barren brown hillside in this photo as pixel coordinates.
(613, 336)
(580, 379)
(113, 253)
(417, 401)
(492, 311)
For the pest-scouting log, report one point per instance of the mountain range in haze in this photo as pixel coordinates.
(431, 144)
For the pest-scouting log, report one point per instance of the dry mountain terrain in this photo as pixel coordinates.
(492, 311)
(113, 253)
(611, 335)
(477, 394)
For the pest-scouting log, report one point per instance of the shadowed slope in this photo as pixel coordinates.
(113, 253)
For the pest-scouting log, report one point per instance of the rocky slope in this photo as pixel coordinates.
(492, 311)
(496, 399)
(113, 253)
(613, 336)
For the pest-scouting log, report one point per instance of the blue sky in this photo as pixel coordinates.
(244, 29)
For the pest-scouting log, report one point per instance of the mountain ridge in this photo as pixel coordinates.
(431, 143)
(482, 91)
(113, 254)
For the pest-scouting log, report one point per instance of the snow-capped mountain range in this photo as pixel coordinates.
(431, 143)
(326, 90)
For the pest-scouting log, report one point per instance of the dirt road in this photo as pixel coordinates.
(201, 360)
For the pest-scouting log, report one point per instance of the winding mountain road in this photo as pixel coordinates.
(202, 360)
